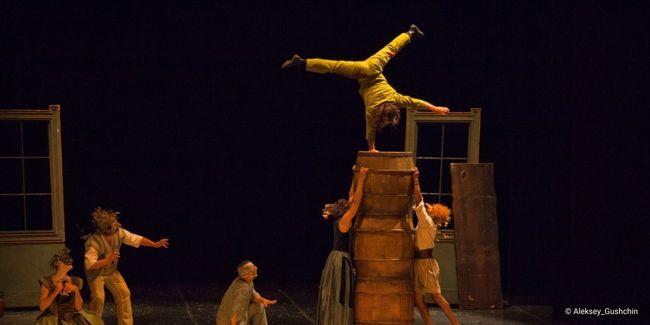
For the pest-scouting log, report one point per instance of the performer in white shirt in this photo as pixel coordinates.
(427, 272)
(102, 254)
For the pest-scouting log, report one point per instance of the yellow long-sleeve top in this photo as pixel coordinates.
(376, 90)
(373, 87)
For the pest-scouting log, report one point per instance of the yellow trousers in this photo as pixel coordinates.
(121, 293)
(373, 86)
(371, 67)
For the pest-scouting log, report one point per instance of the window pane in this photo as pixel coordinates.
(431, 199)
(429, 175)
(36, 138)
(10, 135)
(429, 140)
(456, 140)
(39, 212)
(10, 176)
(446, 174)
(37, 176)
(11, 213)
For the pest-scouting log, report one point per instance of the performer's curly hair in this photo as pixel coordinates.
(336, 209)
(390, 112)
(63, 256)
(440, 213)
(105, 220)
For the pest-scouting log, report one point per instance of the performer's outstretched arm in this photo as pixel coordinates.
(158, 244)
(346, 220)
(410, 102)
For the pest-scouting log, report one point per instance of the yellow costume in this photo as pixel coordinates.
(373, 87)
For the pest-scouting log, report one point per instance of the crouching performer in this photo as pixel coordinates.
(60, 299)
(426, 267)
(102, 255)
(241, 304)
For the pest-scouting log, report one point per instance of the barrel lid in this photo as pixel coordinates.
(386, 154)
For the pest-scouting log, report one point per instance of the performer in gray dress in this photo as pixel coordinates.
(336, 282)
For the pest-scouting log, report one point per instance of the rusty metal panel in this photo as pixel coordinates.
(477, 236)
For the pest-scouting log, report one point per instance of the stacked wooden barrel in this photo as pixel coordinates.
(382, 241)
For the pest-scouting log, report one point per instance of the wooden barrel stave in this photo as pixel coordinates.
(382, 243)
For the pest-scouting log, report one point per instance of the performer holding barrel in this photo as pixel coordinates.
(382, 102)
(334, 301)
(427, 272)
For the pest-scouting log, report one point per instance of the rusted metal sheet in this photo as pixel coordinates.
(477, 236)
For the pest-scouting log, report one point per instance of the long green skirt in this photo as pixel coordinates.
(334, 298)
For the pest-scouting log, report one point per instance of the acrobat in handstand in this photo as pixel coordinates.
(382, 102)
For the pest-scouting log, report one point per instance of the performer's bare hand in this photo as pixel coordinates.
(416, 173)
(162, 243)
(363, 171)
(267, 302)
(70, 288)
(115, 255)
(58, 286)
(440, 110)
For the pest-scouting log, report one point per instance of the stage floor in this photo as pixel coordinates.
(192, 304)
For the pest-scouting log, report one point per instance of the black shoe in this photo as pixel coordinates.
(293, 62)
(415, 32)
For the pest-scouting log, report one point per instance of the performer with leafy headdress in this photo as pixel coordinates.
(60, 299)
(102, 255)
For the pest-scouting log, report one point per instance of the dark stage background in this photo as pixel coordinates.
(180, 117)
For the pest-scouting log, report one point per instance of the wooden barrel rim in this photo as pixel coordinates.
(405, 172)
(366, 194)
(404, 321)
(386, 154)
(390, 214)
(380, 279)
(377, 230)
(382, 259)
(382, 216)
(384, 293)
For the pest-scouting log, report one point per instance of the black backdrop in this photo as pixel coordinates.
(180, 117)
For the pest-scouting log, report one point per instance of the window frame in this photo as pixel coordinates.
(472, 118)
(57, 234)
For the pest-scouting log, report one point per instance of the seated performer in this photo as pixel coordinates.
(241, 304)
(60, 299)
(102, 254)
(426, 268)
(334, 299)
(382, 102)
